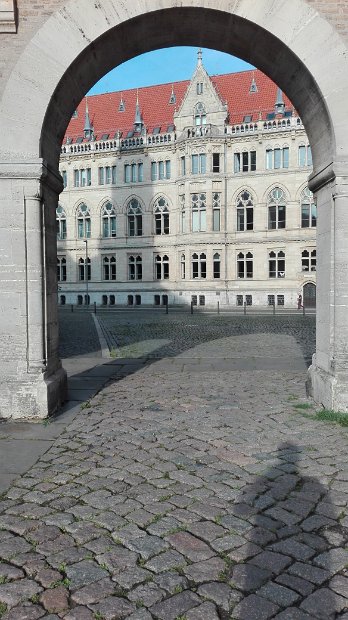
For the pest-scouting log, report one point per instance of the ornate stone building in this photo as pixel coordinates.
(188, 191)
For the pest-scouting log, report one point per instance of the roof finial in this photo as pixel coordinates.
(88, 128)
(199, 56)
(138, 121)
(253, 86)
(172, 98)
(279, 104)
(121, 105)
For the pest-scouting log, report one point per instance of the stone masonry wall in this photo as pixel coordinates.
(32, 14)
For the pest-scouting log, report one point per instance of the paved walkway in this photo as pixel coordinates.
(191, 487)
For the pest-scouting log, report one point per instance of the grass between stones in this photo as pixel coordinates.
(323, 415)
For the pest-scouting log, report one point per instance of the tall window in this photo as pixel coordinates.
(135, 219)
(309, 260)
(65, 178)
(199, 88)
(161, 212)
(276, 209)
(107, 175)
(199, 265)
(109, 268)
(108, 220)
(161, 267)
(183, 165)
(83, 222)
(160, 170)
(84, 268)
(216, 162)
(182, 213)
(133, 173)
(183, 266)
(82, 177)
(245, 211)
(61, 269)
(216, 211)
(277, 158)
(61, 223)
(304, 156)
(199, 163)
(135, 268)
(244, 265)
(276, 264)
(216, 265)
(199, 212)
(245, 161)
(308, 209)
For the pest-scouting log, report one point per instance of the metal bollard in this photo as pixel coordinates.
(72, 307)
(167, 308)
(218, 303)
(95, 307)
(304, 310)
(245, 308)
(191, 307)
(274, 308)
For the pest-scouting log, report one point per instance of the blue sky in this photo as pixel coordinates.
(166, 65)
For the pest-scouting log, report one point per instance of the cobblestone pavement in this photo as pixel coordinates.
(196, 487)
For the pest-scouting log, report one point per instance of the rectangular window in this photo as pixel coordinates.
(195, 221)
(249, 300)
(127, 173)
(280, 300)
(216, 220)
(202, 300)
(113, 175)
(216, 269)
(153, 171)
(167, 168)
(237, 162)
(270, 300)
(301, 156)
(239, 300)
(216, 162)
(269, 159)
(194, 164)
(161, 170)
(107, 175)
(199, 88)
(65, 178)
(286, 157)
(245, 161)
(309, 156)
(195, 269)
(140, 173)
(252, 161)
(76, 178)
(272, 217)
(203, 163)
(101, 176)
(134, 173)
(183, 166)
(277, 158)
(194, 300)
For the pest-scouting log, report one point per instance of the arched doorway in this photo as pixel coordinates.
(309, 295)
(91, 42)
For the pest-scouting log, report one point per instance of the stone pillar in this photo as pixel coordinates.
(328, 375)
(32, 381)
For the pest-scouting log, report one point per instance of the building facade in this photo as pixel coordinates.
(194, 191)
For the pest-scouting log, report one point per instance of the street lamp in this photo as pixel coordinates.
(86, 272)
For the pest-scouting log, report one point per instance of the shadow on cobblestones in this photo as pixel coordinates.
(286, 563)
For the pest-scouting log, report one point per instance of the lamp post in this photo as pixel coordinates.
(86, 271)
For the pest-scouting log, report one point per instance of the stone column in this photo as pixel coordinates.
(32, 382)
(328, 375)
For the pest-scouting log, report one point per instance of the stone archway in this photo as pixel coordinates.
(67, 54)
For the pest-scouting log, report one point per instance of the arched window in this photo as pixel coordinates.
(199, 266)
(183, 267)
(83, 263)
(199, 212)
(276, 209)
(135, 218)
(109, 268)
(108, 214)
(61, 223)
(216, 265)
(244, 265)
(161, 267)
(245, 211)
(200, 114)
(309, 260)
(83, 222)
(161, 212)
(308, 209)
(276, 264)
(135, 268)
(61, 269)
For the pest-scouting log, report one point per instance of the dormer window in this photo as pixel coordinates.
(199, 88)
(200, 114)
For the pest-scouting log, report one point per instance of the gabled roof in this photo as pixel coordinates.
(157, 111)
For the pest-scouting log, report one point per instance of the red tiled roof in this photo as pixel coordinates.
(233, 88)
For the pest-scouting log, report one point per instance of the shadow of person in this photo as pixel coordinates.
(292, 565)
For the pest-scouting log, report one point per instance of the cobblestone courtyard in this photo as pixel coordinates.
(196, 485)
